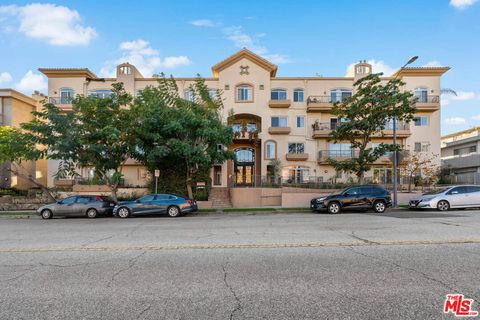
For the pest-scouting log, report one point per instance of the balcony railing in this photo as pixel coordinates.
(427, 103)
(60, 100)
(341, 155)
(319, 99)
(427, 99)
(398, 126)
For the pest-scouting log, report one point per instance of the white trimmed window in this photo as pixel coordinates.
(295, 148)
(66, 95)
(421, 121)
(102, 94)
(300, 122)
(279, 122)
(278, 94)
(270, 150)
(298, 95)
(244, 93)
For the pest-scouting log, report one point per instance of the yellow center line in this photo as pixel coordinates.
(240, 246)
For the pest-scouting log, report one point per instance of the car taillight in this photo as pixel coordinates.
(388, 193)
(190, 202)
(98, 198)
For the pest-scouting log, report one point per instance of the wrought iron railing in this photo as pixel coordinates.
(60, 100)
(427, 99)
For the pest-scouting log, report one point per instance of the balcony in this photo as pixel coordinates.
(428, 103)
(279, 103)
(61, 102)
(322, 129)
(319, 103)
(296, 156)
(403, 130)
(341, 155)
(279, 130)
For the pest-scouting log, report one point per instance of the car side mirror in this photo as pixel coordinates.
(137, 201)
(346, 194)
(59, 202)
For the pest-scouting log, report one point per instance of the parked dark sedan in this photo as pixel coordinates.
(90, 206)
(358, 197)
(170, 204)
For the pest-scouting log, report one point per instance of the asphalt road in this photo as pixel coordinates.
(398, 265)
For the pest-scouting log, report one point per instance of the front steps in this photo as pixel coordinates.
(220, 198)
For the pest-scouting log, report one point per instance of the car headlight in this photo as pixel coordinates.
(321, 199)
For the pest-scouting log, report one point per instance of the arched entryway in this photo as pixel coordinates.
(244, 167)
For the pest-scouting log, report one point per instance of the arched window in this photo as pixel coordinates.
(244, 93)
(278, 94)
(102, 94)
(270, 150)
(338, 95)
(244, 155)
(66, 95)
(421, 94)
(298, 95)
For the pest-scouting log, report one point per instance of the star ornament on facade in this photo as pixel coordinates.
(244, 70)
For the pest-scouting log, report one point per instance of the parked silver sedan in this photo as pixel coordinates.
(446, 198)
(86, 205)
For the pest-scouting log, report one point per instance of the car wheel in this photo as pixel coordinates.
(333, 207)
(47, 214)
(92, 213)
(173, 211)
(443, 205)
(379, 206)
(123, 212)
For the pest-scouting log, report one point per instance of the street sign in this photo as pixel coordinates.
(157, 173)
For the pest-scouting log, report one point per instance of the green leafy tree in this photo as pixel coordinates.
(96, 134)
(364, 115)
(16, 148)
(179, 132)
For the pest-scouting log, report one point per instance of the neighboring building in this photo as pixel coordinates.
(461, 156)
(15, 109)
(290, 116)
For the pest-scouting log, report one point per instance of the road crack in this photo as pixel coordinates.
(131, 264)
(96, 241)
(144, 311)
(238, 305)
(421, 273)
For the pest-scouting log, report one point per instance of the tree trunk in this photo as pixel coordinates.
(189, 187)
(410, 182)
(30, 178)
(360, 178)
(113, 192)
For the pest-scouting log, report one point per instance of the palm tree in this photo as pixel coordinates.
(448, 91)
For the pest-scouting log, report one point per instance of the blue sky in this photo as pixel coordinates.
(304, 38)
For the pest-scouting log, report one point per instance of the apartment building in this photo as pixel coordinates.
(461, 156)
(275, 118)
(15, 109)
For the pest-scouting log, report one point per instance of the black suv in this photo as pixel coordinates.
(358, 197)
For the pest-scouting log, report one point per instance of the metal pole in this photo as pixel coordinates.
(395, 164)
(156, 185)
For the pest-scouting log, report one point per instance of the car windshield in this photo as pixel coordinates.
(436, 191)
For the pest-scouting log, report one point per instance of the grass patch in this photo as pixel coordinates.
(15, 213)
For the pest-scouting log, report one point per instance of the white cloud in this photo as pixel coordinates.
(5, 77)
(146, 59)
(462, 4)
(203, 23)
(31, 82)
(455, 121)
(463, 95)
(57, 25)
(241, 39)
(378, 66)
(477, 117)
(434, 63)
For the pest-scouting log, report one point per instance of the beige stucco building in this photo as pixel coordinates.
(276, 118)
(15, 109)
